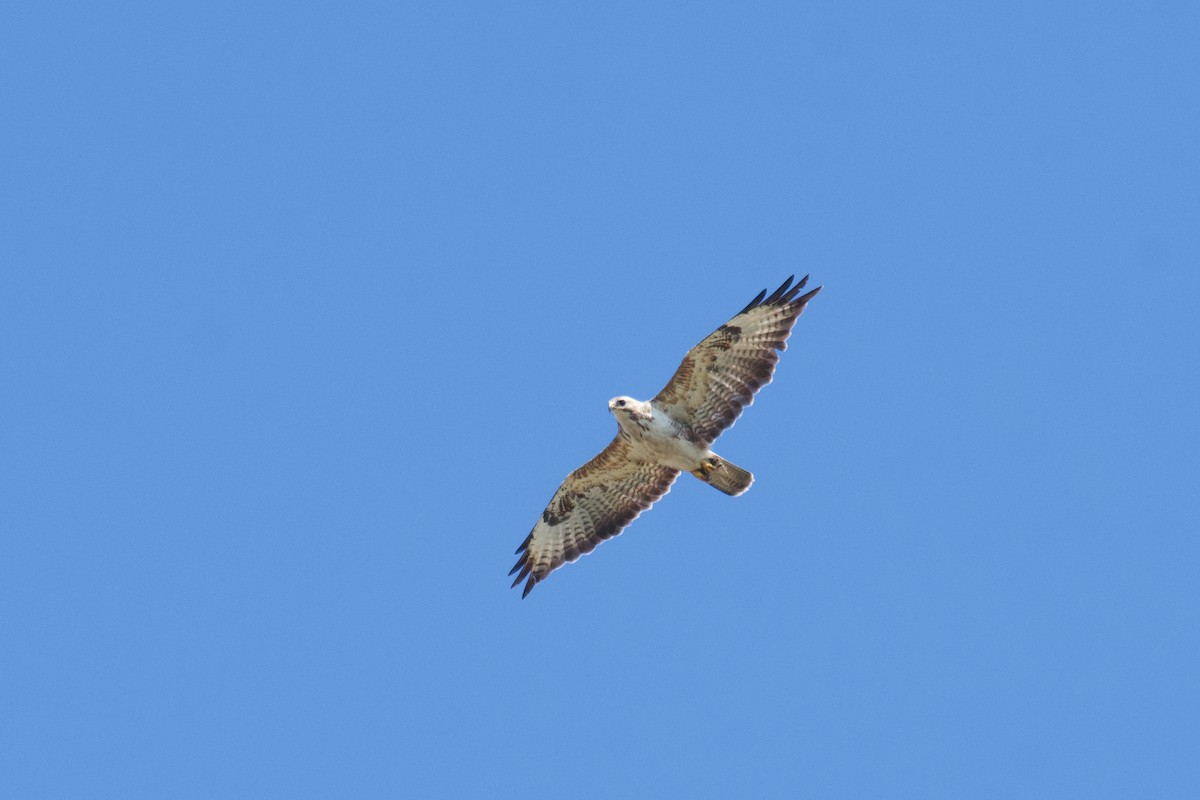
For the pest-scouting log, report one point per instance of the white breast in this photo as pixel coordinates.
(661, 440)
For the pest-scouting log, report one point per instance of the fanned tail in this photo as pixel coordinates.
(724, 475)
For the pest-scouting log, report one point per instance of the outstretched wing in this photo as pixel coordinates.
(595, 502)
(719, 376)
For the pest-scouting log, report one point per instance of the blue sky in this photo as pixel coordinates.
(306, 309)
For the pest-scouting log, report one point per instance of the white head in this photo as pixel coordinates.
(626, 408)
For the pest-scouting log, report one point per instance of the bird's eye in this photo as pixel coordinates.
(620, 404)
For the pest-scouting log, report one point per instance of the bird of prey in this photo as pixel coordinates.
(672, 433)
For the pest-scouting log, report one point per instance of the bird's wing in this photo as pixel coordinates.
(595, 502)
(719, 376)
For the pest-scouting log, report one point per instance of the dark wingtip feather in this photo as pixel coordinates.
(524, 544)
(778, 293)
(803, 301)
(754, 302)
(525, 565)
(795, 290)
(528, 587)
(784, 295)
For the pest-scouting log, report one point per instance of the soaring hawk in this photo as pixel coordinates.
(671, 433)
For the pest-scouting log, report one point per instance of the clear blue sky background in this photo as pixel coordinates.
(306, 309)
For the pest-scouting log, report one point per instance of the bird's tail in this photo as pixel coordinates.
(724, 475)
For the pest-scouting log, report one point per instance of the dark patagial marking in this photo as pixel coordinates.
(725, 337)
(557, 511)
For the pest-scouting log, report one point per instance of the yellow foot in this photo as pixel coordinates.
(706, 468)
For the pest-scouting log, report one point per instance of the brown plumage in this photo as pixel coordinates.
(658, 439)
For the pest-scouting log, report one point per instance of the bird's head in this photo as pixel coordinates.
(627, 407)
